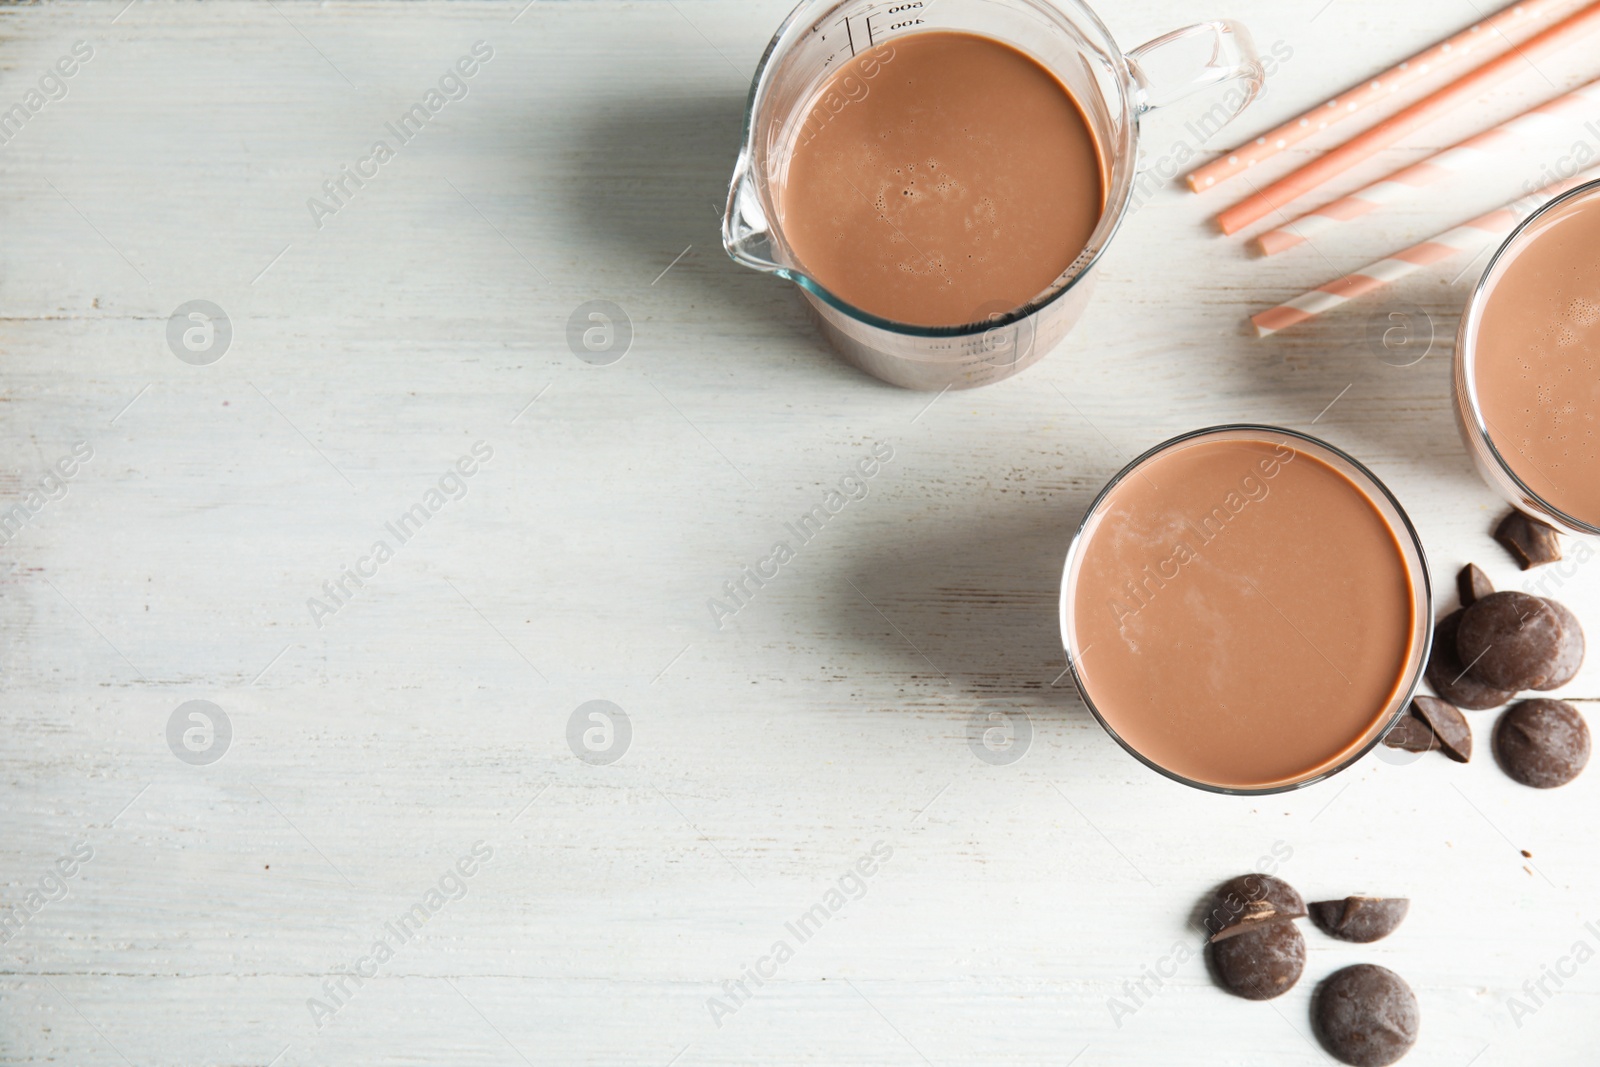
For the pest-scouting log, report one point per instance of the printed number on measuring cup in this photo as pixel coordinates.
(900, 9)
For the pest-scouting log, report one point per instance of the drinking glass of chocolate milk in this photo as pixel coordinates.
(1246, 609)
(940, 177)
(1527, 369)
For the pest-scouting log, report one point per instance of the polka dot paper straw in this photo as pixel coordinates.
(1363, 146)
(1484, 38)
(1469, 235)
(1468, 156)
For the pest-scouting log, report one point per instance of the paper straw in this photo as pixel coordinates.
(1472, 234)
(1469, 155)
(1488, 35)
(1424, 111)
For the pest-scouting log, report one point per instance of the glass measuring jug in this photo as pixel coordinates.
(1064, 36)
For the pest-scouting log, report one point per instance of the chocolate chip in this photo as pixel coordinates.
(1361, 919)
(1411, 734)
(1365, 1015)
(1509, 640)
(1543, 743)
(1262, 963)
(1472, 585)
(1531, 542)
(1449, 677)
(1448, 725)
(1251, 901)
(1570, 656)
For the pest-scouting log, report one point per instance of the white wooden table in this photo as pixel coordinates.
(431, 709)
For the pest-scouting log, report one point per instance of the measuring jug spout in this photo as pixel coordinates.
(746, 233)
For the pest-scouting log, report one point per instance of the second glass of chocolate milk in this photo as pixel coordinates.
(1527, 365)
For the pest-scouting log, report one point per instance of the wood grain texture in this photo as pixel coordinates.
(833, 712)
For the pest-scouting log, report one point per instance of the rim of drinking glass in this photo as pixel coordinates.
(1466, 354)
(1406, 691)
(1119, 194)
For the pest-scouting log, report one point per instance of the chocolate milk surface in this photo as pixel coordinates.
(1538, 358)
(944, 178)
(1243, 614)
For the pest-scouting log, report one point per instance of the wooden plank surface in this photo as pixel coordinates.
(1012, 910)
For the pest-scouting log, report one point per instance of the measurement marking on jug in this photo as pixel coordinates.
(900, 9)
(897, 9)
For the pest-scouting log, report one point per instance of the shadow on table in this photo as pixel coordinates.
(1395, 357)
(648, 180)
(968, 605)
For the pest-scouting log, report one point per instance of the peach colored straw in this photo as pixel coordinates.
(1468, 156)
(1472, 234)
(1489, 34)
(1424, 111)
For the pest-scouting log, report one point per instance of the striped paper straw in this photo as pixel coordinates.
(1470, 155)
(1486, 36)
(1469, 235)
(1459, 94)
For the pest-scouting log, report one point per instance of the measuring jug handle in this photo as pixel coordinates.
(1186, 63)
